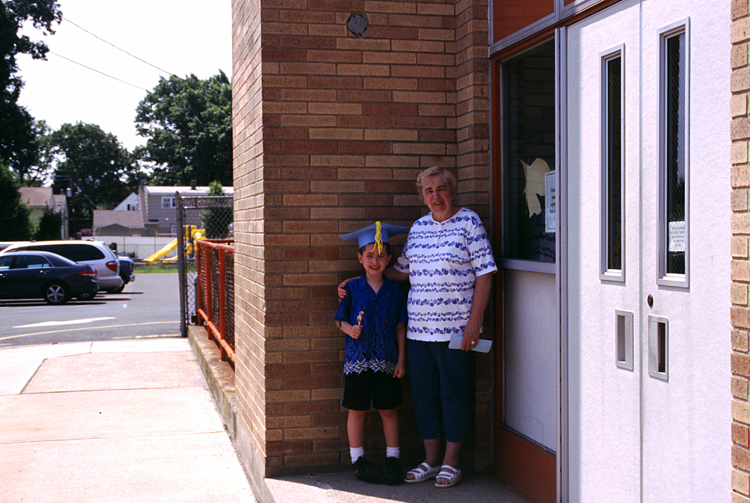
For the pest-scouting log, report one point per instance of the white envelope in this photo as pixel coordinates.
(483, 346)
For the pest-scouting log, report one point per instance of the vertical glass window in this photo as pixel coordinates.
(674, 155)
(529, 155)
(612, 164)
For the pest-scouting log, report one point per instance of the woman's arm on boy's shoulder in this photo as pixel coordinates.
(341, 290)
(392, 274)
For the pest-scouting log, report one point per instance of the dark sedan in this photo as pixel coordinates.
(28, 275)
(126, 272)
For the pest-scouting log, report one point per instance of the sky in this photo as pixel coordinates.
(178, 36)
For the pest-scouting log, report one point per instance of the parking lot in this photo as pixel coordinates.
(147, 308)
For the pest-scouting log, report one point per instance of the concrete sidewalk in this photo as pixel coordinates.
(112, 421)
(137, 421)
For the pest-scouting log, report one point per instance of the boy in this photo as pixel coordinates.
(373, 316)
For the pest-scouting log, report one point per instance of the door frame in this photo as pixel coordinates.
(522, 474)
(561, 274)
(502, 437)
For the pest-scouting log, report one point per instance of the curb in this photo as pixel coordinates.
(219, 376)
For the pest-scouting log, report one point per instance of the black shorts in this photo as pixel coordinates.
(381, 388)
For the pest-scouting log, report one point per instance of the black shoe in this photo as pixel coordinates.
(393, 474)
(367, 471)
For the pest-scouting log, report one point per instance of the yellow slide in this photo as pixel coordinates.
(156, 256)
(195, 233)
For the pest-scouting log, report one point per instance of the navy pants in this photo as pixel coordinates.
(442, 389)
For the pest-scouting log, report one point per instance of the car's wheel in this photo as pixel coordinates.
(56, 293)
(119, 289)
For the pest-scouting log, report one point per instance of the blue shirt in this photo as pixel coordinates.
(376, 348)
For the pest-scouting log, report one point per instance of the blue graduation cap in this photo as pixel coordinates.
(375, 233)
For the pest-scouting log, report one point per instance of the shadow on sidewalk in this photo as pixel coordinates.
(340, 487)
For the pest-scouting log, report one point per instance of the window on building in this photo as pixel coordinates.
(612, 148)
(168, 202)
(528, 124)
(673, 173)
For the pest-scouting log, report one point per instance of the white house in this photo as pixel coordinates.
(130, 203)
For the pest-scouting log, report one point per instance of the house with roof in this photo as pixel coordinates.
(604, 143)
(38, 199)
(130, 203)
(158, 206)
(118, 223)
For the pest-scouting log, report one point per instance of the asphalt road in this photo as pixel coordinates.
(149, 307)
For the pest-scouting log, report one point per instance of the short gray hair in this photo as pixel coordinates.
(447, 176)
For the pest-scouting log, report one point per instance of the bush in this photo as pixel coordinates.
(15, 216)
(50, 226)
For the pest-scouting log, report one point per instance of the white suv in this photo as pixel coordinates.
(95, 253)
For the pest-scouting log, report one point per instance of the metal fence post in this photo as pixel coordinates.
(222, 293)
(200, 256)
(181, 266)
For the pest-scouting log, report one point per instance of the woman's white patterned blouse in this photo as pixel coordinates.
(443, 260)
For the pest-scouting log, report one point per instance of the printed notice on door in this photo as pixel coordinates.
(550, 216)
(677, 236)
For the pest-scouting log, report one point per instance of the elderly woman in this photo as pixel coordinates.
(448, 261)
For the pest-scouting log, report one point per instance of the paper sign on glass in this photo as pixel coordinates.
(677, 236)
(550, 201)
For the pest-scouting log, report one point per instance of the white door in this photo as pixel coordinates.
(648, 251)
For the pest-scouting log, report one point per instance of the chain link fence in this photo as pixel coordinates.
(203, 218)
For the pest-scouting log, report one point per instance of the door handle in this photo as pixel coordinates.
(624, 339)
(658, 347)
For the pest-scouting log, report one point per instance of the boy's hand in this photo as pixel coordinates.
(400, 370)
(356, 331)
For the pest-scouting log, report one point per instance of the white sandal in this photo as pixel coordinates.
(421, 473)
(452, 475)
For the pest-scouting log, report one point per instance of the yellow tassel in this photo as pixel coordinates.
(378, 237)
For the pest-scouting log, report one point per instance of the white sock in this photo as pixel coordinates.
(356, 453)
(392, 452)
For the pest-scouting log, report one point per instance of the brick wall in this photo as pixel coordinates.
(473, 169)
(740, 34)
(330, 132)
(250, 294)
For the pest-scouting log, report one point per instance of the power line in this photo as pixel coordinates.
(106, 42)
(97, 71)
(119, 49)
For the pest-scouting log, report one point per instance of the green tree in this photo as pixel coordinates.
(50, 226)
(37, 174)
(94, 165)
(17, 144)
(188, 126)
(219, 215)
(15, 221)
